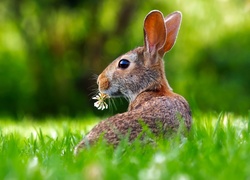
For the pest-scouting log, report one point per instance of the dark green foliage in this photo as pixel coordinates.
(222, 74)
(51, 50)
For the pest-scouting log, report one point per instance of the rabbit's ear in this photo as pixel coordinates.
(172, 22)
(154, 32)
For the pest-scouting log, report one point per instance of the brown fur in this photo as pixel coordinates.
(145, 85)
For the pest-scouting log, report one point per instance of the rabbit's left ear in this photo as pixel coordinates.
(154, 32)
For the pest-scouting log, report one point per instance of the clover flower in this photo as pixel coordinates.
(100, 103)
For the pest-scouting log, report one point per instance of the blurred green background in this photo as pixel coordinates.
(52, 50)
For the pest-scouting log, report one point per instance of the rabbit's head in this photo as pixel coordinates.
(142, 69)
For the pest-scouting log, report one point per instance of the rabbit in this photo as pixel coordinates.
(139, 75)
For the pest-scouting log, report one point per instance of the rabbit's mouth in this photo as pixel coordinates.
(116, 94)
(113, 94)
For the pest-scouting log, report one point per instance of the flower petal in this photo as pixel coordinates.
(97, 104)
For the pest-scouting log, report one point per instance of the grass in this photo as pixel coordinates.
(217, 147)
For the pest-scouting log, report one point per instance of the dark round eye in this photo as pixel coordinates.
(123, 63)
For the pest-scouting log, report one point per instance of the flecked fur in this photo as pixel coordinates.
(145, 85)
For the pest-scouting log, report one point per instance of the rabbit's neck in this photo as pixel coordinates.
(148, 95)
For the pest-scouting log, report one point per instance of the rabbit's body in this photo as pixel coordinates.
(139, 75)
(162, 114)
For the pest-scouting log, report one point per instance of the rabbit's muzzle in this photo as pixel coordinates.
(103, 82)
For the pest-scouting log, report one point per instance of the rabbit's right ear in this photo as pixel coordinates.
(154, 32)
(173, 23)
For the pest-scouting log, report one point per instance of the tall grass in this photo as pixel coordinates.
(217, 147)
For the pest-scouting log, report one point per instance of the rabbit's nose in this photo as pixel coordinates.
(103, 82)
(98, 79)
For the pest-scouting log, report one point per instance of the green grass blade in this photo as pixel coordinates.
(220, 117)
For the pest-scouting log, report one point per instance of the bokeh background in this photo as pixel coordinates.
(52, 50)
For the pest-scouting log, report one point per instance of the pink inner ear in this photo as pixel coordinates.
(152, 48)
(172, 22)
(154, 32)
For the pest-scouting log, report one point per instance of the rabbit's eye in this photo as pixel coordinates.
(123, 63)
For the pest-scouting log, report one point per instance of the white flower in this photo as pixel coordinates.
(100, 103)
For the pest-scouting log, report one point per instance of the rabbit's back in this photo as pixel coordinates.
(170, 111)
(160, 114)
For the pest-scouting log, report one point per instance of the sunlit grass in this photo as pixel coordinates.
(216, 148)
(49, 126)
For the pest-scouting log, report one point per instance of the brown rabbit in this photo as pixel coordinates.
(139, 75)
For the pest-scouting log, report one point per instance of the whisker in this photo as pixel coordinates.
(113, 104)
(93, 92)
(93, 88)
(126, 98)
(94, 76)
(111, 109)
